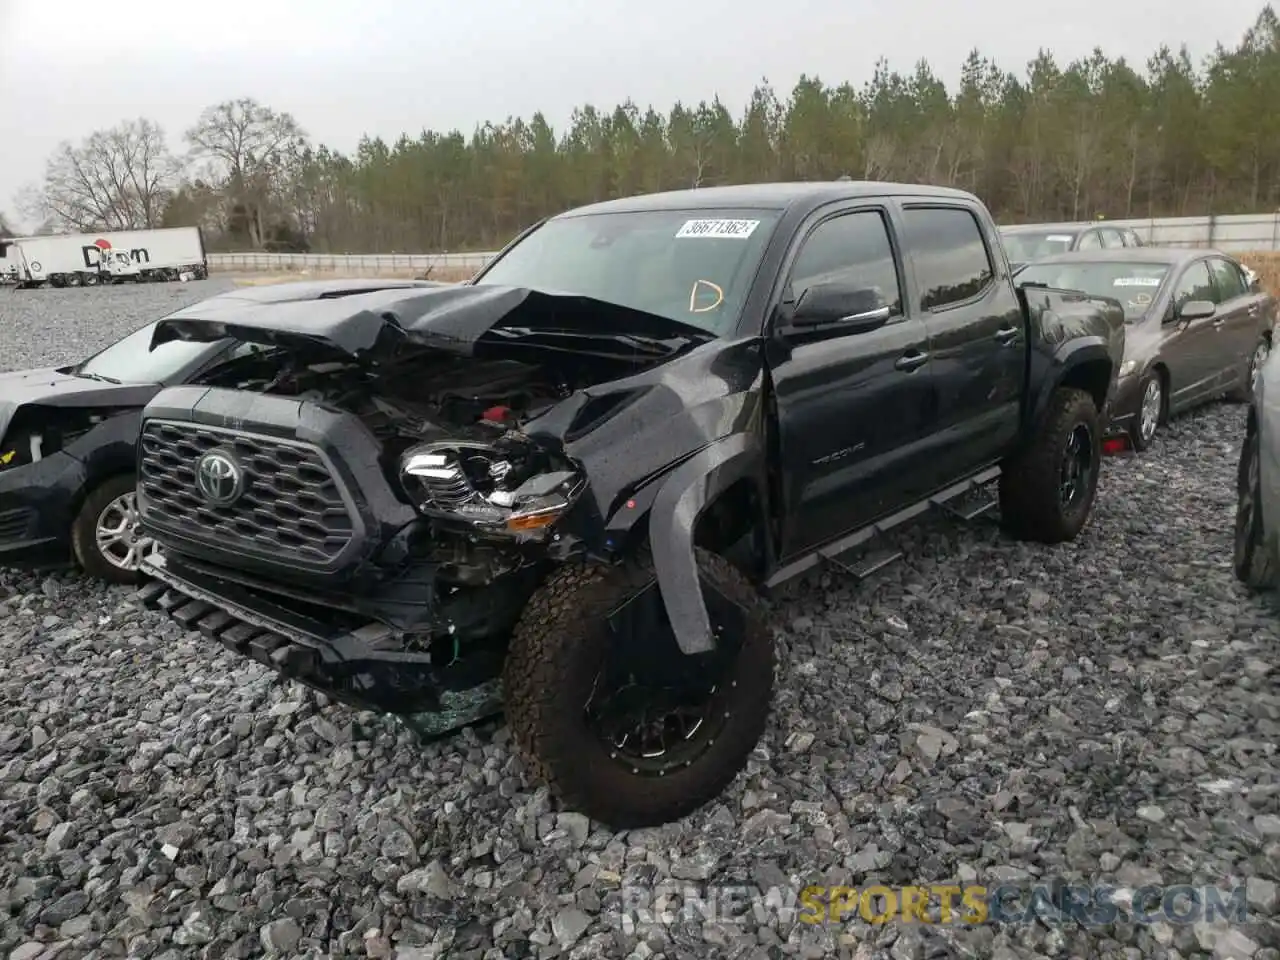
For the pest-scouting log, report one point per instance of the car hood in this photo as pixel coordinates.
(465, 319)
(52, 387)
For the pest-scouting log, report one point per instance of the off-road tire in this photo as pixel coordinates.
(1030, 504)
(84, 529)
(551, 664)
(1251, 557)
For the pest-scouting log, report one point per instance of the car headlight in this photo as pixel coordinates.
(1128, 367)
(512, 493)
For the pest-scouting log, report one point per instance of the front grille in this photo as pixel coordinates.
(291, 506)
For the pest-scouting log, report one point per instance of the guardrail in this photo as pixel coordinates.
(353, 262)
(1236, 233)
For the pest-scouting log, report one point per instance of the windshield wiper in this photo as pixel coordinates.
(97, 376)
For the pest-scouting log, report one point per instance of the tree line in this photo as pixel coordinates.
(1098, 137)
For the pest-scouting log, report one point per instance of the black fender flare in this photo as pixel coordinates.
(672, 518)
(1067, 357)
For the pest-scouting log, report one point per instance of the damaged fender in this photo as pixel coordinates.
(1070, 329)
(672, 521)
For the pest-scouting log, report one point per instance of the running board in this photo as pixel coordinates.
(870, 564)
(832, 554)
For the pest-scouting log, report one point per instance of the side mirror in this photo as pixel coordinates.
(856, 309)
(1197, 310)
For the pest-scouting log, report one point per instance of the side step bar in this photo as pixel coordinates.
(866, 565)
(267, 647)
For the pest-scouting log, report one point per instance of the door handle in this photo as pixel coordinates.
(912, 361)
(1006, 335)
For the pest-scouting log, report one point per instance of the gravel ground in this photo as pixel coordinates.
(1106, 711)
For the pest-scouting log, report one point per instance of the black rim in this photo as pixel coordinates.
(1246, 503)
(1077, 466)
(656, 714)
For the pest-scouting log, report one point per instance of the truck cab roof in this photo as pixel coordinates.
(765, 196)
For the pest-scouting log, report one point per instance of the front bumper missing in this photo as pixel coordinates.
(350, 666)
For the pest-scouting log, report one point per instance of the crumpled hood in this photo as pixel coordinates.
(461, 319)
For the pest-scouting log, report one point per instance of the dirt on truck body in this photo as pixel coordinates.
(559, 490)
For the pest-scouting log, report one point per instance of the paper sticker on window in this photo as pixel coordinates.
(720, 229)
(1141, 299)
(1137, 282)
(1060, 238)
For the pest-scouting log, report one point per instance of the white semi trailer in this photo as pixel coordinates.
(114, 256)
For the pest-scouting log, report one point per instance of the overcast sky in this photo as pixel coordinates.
(348, 67)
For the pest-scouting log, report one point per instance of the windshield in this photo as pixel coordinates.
(1135, 285)
(132, 361)
(690, 266)
(1025, 247)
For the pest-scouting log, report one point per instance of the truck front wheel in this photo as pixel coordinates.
(1047, 490)
(608, 711)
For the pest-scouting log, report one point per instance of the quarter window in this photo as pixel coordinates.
(1090, 241)
(854, 248)
(950, 257)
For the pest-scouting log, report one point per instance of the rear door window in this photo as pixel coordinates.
(951, 260)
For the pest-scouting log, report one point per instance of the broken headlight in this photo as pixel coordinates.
(476, 483)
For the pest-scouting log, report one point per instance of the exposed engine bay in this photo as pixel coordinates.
(449, 430)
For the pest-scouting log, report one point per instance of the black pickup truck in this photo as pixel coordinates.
(560, 489)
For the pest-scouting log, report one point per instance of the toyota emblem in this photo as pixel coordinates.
(219, 478)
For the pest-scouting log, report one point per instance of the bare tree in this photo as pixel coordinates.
(252, 148)
(117, 179)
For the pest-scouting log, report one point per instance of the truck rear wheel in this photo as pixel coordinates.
(608, 711)
(1047, 490)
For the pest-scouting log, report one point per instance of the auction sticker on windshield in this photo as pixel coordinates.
(1137, 282)
(722, 229)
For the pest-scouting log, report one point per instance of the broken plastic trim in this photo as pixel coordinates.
(38, 431)
(440, 488)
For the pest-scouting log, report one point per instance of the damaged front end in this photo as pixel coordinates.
(56, 432)
(373, 520)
